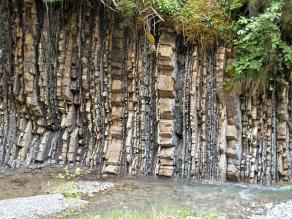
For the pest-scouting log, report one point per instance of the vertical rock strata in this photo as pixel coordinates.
(166, 104)
(78, 87)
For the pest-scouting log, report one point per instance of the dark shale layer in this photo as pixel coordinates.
(77, 87)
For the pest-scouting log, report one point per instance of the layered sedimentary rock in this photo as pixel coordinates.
(78, 87)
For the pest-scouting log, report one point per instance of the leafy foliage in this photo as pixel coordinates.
(167, 7)
(260, 51)
(127, 8)
(69, 190)
(208, 21)
(204, 20)
(261, 43)
(68, 175)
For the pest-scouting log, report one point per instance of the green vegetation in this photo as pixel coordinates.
(68, 175)
(262, 43)
(261, 53)
(198, 20)
(127, 9)
(263, 57)
(170, 213)
(203, 21)
(167, 7)
(69, 190)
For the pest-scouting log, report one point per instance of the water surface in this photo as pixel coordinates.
(148, 194)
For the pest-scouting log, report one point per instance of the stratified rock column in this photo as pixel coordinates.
(165, 103)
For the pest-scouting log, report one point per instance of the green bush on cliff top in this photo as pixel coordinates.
(261, 53)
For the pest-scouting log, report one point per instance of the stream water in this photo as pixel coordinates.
(144, 194)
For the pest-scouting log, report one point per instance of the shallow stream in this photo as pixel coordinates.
(145, 194)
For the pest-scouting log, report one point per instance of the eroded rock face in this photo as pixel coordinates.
(77, 87)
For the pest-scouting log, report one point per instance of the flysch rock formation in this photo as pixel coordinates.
(78, 87)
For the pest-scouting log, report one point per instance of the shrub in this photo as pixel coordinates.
(260, 51)
(167, 7)
(205, 21)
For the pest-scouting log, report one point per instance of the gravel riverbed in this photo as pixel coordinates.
(274, 211)
(35, 206)
(44, 205)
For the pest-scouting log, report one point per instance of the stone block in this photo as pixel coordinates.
(165, 86)
(117, 99)
(114, 151)
(167, 153)
(165, 128)
(165, 107)
(231, 143)
(166, 162)
(282, 130)
(231, 153)
(165, 52)
(111, 169)
(116, 86)
(165, 141)
(232, 173)
(231, 132)
(165, 65)
(42, 152)
(73, 144)
(166, 171)
(26, 141)
(71, 117)
(116, 112)
(116, 130)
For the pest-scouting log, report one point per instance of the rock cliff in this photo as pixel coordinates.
(78, 87)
